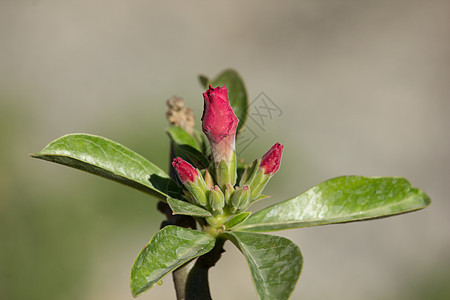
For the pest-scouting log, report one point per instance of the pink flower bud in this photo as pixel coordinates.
(270, 162)
(219, 123)
(186, 172)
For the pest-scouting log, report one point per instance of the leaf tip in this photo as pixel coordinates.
(136, 292)
(203, 80)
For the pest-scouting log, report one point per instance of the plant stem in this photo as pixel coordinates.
(191, 279)
(180, 277)
(197, 286)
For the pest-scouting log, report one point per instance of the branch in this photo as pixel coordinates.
(197, 286)
(191, 279)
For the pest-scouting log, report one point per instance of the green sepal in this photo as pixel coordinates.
(226, 172)
(259, 185)
(208, 179)
(249, 172)
(255, 178)
(222, 174)
(198, 192)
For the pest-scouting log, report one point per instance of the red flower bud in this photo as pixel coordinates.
(186, 172)
(219, 122)
(270, 162)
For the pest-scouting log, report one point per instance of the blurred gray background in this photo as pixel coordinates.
(363, 87)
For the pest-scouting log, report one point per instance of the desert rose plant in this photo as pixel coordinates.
(209, 191)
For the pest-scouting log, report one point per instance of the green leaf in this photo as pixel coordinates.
(236, 94)
(203, 81)
(180, 136)
(202, 140)
(186, 146)
(103, 157)
(168, 249)
(275, 262)
(184, 208)
(237, 219)
(338, 200)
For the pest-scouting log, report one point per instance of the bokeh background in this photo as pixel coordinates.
(363, 87)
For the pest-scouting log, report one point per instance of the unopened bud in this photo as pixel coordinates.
(219, 123)
(192, 180)
(240, 199)
(270, 162)
(216, 200)
(258, 175)
(186, 172)
(229, 190)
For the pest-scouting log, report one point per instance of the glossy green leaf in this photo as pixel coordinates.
(187, 147)
(237, 219)
(103, 157)
(168, 249)
(202, 140)
(180, 136)
(275, 263)
(184, 208)
(236, 94)
(338, 200)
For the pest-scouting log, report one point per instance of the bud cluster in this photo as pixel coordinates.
(219, 193)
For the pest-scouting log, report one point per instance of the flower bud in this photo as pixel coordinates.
(240, 199)
(258, 174)
(270, 162)
(186, 172)
(216, 200)
(219, 123)
(192, 180)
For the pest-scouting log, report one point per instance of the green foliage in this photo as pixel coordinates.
(338, 200)
(187, 147)
(171, 247)
(237, 219)
(105, 158)
(185, 208)
(275, 262)
(181, 137)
